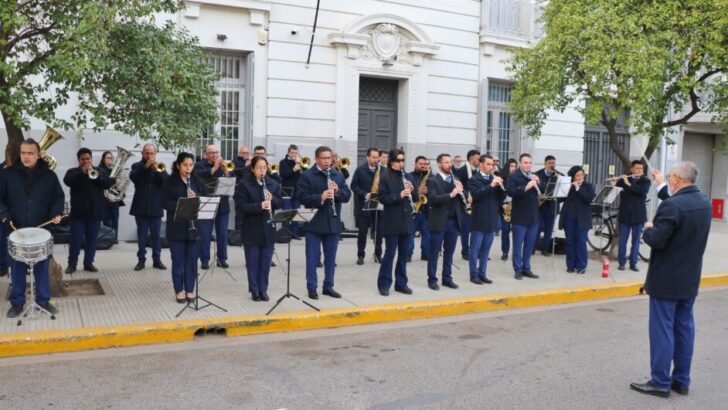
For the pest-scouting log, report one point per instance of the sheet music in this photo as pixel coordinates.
(225, 186)
(304, 215)
(208, 207)
(563, 185)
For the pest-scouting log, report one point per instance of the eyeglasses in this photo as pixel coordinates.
(245, 153)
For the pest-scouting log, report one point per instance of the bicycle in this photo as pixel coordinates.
(603, 228)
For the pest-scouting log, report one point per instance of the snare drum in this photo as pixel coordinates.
(30, 245)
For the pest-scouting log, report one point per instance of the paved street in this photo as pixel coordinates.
(577, 357)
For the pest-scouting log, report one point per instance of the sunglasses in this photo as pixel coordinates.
(398, 160)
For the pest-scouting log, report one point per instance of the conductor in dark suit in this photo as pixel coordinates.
(576, 220)
(522, 186)
(678, 236)
(488, 194)
(397, 194)
(447, 213)
(632, 213)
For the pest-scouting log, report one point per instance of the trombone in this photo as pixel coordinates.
(344, 163)
(304, 163)
(273, 168)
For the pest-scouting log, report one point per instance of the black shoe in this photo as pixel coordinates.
(139, 266)
(433, 286)
(633, 268)
(621, 267)
(377, 258)
(70, 269)
(383, 292)
(423, 257)
(157, 265)
(222, 264)
(256, 297)
(504, 257)
(465, 256)
(319, 264)
(205, 265)
(15, 311)
(331, 292)
(296, 237)
(406, 290)
(409, 258)
(273, 264)
(312, 294)
(581, 271)
(264, 296)
(90, 268)
(518, 276)
(4, 271)
(570, 270)
(360, 260)
(485, 280)
(679, 389)
(450, 284)
(50, 308)
(181, 300)
(545, 253)
(477, 281)
(529, 274)
(648, 388)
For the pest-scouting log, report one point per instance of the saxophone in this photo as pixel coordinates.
(374, 192)
(507, 212)
(422, 200)
(117, 192)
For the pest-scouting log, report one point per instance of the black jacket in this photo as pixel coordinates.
(632, 200)
(87, 195)
(203, 170)
(462, 175)
(289, 179)
(578, 203)
(487, 202)
(397, 210)
(257, 229)
(310, 187)
(173, 189)
(524, 207)
(361, 185)
(29, 198)
(147, 201)
(438, 196)
(663, 193)
(678, 240)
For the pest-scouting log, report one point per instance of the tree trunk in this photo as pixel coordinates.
(614, 145)
(15, 137)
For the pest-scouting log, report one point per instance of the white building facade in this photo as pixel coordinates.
(424, 75)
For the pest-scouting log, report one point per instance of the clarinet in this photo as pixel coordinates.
(468, 209)
(411, 202)
(538, 190)
(189, 190)
(328, 185)
(265, 196)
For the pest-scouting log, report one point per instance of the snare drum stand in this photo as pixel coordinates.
(33, 308)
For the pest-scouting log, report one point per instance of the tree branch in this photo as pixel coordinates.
(28, 33)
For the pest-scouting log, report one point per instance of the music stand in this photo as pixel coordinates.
(284, 218)
(191, 209)
(605, 197)
(557, 188)
(373, 205)
(223, 186)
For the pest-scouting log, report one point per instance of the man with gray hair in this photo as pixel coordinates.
(677, 235)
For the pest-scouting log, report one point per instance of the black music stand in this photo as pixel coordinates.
(605, 197)
(556, 188)
(285, 218)
(373, 205)
(223, 186)
(192, 209)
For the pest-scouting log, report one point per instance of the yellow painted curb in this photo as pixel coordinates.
(43, 342)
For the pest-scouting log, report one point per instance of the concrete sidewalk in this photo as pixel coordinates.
(145, 299)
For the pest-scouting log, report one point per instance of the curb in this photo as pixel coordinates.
(92, 338)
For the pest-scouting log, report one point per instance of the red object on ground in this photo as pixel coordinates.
(605, 267)
(718, 207)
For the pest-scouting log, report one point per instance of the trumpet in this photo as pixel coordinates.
(344, 163)
(273, 168)
(229, 166)
(304, 163)
(159, 167)
(93, 174)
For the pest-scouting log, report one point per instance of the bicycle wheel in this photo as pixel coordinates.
(600, 236)
(644, 250)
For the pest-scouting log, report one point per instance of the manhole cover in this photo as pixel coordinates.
(81, 287)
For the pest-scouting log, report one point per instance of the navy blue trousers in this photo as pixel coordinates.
(42, 282)
(314, 242)
(221, 237)
(365, 224)
(480, 243)
(394, 244)
(576, 254)
(111, 217)
(505, 236)
(625, 230)
(524, 241)
(465, 236)
(257, 263)
(672, 339)
(80, 229)
(148, 227)
(421, 226)
(445, 240)
(546, 225)
(184, 264)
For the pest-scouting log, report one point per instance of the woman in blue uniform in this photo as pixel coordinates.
(575, 220)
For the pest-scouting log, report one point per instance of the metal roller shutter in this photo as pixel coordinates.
(698, 148)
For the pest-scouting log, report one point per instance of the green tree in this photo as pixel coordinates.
(111, 61)
(662, 60)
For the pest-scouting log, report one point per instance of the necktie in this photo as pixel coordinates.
(449, 179)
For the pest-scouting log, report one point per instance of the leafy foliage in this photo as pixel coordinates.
(662, 60)
(111, 60)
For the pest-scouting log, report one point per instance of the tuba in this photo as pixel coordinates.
(117, 192)
(50, 136)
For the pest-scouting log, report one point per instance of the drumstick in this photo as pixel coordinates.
(12, 225)
(50, 221)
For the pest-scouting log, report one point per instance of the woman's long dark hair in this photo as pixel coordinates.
(392, 157)
(256, 159)
(506, 170)
(101, 161)
(180, 159)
